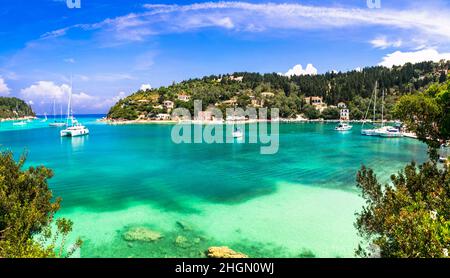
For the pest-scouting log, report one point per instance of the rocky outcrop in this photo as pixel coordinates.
(141, 234)
(224, 253)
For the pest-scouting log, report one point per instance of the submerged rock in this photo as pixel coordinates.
(224, 253)
(182, 242)
(141, 234)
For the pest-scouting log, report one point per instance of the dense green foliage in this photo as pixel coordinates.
(11, 107)
(408, 218)
(428, 113)
(27, 212)
(411, 216)
(354, 88)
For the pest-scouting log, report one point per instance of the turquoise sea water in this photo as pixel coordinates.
(299, 202)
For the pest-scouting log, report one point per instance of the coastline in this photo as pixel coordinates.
(19, 119)
(282, 120)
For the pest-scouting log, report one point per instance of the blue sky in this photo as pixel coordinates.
(113, 47)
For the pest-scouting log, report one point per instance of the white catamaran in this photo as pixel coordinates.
(74, 128)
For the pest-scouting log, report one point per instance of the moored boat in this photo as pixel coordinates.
(56, 123)
(389, 132)
(21, 123)
(343, 127)
(74, 128)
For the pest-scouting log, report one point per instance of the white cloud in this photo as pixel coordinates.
(225, 22)
(430, 23)
(383, 43)
(45, 91)
(83, 98)
(4, 89)
(298, 70)
(145, 87)
(401, 58)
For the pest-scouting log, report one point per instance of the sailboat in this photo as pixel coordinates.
(45, 118)
(56, 123)
(383, 131)
(74, 128)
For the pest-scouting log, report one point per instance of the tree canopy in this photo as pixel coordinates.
(11, 107)
(427, 114)
(353, 87)
(27, 211)
(410, 217)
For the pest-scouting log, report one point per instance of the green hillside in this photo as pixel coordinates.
(246, 89)
(11, 107)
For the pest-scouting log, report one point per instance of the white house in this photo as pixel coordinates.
(345, 115)
(204, 116)
(163, 117)
(168, 104)
(184, 97)
(341, 105)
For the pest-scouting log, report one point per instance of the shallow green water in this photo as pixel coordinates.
(296, 203)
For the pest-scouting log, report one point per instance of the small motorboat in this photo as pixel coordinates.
(343, 127)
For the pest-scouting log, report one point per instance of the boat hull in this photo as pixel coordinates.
(344, 128)
(74, 133)
(368, 132)
(57, 124)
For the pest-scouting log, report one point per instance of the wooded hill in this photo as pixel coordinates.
(11, 107)
(246, 89)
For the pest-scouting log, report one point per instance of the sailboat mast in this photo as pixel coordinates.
(54, 110)
(70, 100)
(375, 103)
(382, 110)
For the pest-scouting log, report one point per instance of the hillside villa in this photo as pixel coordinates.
(184, 97)
(317, 102)
(168, 104)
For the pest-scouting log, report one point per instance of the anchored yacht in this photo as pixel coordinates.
(74, 128)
